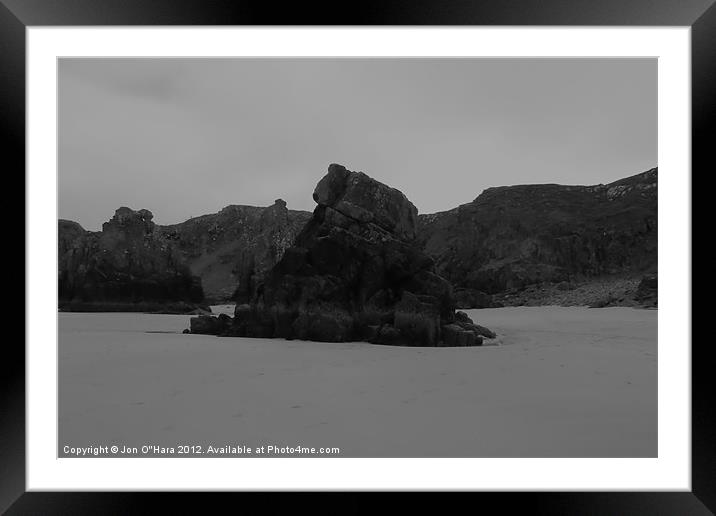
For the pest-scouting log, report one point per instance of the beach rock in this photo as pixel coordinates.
(125, 267)
(354, 272)
(464, 322)
(209, 324)
(482, 331)
(322, 327)
(455, 335)
(204, 324)
(417, 320)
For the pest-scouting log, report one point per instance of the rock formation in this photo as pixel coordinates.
(124, 267)
(511, 245)
(354, 272)
(232, 250)
(647, 291)
(514, 236)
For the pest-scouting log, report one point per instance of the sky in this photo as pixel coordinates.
(186, 137)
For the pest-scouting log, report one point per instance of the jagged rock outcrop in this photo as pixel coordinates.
(514, 236)
(354, 272)
(125, 267)
(233, 249)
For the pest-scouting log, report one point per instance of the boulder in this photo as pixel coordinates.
(455, 335)
(210, 325)
(354, 272)
(464, 321)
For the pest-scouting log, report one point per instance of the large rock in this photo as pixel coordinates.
(124, 267)
(210, 325)
(514, 236)
(365, 200)
(355, 272)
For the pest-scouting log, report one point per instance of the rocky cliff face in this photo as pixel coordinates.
(354, 272)
(232, 250)
(126, 266)
(511, 237)
(508, 238)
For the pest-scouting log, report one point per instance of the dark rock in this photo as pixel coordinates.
(462, 317)
(648, 285)
(483, 332)
(365, 200)
(127, 267)
(450, 333)
(389, 335)
(371, 333)
(515, 236)
(204, 324)
(456, 335)
(467, 338)
(417, 321)
(323, 326)
(603, 302)
(210, 325)
(354, 272)
(199, 311)
(647, 292)
(464, 322)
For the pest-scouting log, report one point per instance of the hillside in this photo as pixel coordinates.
(513, 236)
(231, 250)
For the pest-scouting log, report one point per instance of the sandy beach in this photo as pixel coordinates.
(564, 382)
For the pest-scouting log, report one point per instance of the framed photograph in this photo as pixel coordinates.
(427, 248)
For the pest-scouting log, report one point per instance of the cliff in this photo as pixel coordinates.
(513, 236)
(524, 244)
(125, 267)
(231, 250)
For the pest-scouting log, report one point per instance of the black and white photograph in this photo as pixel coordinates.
(357, 257)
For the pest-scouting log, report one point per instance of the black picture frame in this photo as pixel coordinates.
(16, 15)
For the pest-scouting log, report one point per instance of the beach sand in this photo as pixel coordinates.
(565, 382)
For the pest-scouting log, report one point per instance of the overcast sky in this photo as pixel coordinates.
(185, 137)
